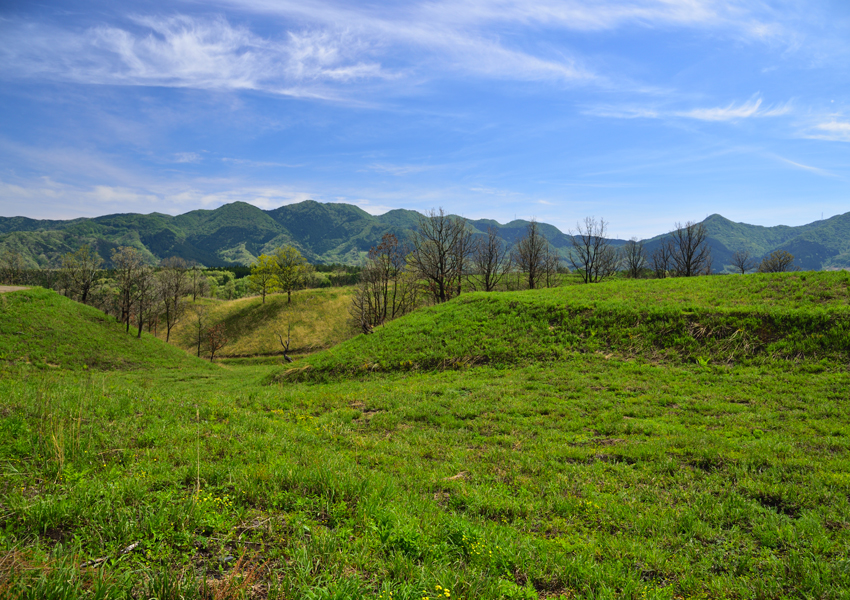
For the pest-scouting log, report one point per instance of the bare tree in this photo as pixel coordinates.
(11, 267)
(778, 261)
(491, 260)
(80, 268)
(551, 266)
(198, 281)
(440, 252)
(199, 323)
(464, 249)
(743, 262)
(386, 289)
(216, 339)
(691, 253)
(127, 262)
(285, 345)
(530, 254)
(634, 258)
(661, 258)
(145, 296)
(591, 254)
(173, 287)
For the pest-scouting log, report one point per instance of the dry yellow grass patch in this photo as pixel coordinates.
(318, 319)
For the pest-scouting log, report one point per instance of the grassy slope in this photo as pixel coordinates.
(581, 477)
(41, 328)
(319, 319)
(719, 319)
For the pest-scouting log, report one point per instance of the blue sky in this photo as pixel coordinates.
(642, 112)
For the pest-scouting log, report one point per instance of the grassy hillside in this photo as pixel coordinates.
(573, 475)
(706, 319)
(318, 319)
(43, 329)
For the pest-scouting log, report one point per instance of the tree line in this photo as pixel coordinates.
(444, 257)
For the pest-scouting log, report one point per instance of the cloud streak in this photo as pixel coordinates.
(188, 52)
(833, 131)
(46, 198)
(733, 112)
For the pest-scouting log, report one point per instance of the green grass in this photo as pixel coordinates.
(704, 320)
(579, 476)
(44, 330)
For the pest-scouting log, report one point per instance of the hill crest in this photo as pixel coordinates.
(236, 233)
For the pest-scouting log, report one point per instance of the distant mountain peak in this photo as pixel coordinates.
(238, 232)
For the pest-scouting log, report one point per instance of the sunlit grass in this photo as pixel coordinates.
(315, 319)
(610, 475)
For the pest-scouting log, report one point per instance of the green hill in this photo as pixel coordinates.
(657, 440)
(235, 234)
(729, 319)
(43, 329)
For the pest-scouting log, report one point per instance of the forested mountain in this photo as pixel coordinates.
(236, 233)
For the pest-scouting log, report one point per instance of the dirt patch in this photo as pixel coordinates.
(12, 288)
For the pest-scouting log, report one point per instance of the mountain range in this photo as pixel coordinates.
(235, 234)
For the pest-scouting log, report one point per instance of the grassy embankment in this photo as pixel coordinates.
(318, 319)
(591, 468)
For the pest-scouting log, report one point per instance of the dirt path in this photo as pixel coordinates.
(12, 288)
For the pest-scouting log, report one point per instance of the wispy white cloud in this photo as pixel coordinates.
(733, 112)
(751, 17)
(834, 131)
(187, 157)
(189, 52)
(460, 32)
(622, 112)
(327, 45)
(809, 168)
(47, 198)
(752, 108)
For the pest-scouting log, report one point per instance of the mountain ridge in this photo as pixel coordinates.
(235, 233)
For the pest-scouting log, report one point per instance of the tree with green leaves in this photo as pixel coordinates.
(778, 261)
(80, 268)
(263, 277)
(293, 270)
(11, 267)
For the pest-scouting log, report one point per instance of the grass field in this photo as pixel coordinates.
(637, 471)
(318, 319)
